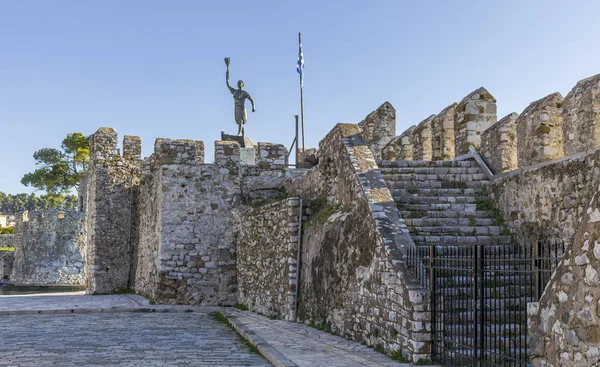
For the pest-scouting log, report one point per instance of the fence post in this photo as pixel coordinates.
(433, 299)
(535, 267)
(482, 298)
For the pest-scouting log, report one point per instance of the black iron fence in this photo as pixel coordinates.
(479, 297)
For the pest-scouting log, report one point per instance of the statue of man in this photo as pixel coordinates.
(239, 97)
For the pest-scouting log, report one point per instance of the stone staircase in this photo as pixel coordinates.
(444, 203)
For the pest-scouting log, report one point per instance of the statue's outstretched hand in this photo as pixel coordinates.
(253, 109)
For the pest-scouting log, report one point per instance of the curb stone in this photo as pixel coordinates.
(266, 349)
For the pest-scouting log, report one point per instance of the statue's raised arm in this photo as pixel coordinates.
(232, 90)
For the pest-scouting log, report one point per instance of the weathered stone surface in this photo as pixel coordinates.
(351, 276)
(581, 116)
(548, 200)
(272, 156)
(472, 116)
(49, 248)
(421, 140)
(564, 330)
(227, 155)
(539, 131)
(267, 252)
(107, 195)
(400, 147)
(7, 259)
(379, 128)
(442, 131)
(499, 144)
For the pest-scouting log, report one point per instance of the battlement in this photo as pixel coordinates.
(180, 151)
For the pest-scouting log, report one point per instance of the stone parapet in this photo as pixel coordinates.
(227, 155)
(472, 116)
(442, 135)
(539, 131)
(400, 147)
(49, 248)
(379, 128)
(103, 144)
(132, 148)
(169, 151)
(581, 116)
(272, 156)
(421, 140)
(499, 144)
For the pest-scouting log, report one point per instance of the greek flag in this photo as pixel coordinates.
(300, 64)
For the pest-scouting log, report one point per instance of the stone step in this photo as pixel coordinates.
(419, 199)
(468, 221)
(462, 230)
(437, 192)
(457, 178)
(434, 184)
(429, 170)
(401, 163)
(438, 207)
(444, 214)
(461, 240)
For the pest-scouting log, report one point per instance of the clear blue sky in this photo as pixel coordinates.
(155, 68)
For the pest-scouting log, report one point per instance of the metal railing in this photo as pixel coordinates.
(479, 297)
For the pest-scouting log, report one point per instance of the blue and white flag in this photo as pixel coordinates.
(300, 65)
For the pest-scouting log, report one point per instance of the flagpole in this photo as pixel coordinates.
(301, 98)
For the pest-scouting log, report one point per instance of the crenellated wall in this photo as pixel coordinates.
(49, 248)
(108, 200)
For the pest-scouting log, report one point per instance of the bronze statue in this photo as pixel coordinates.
(239, 98)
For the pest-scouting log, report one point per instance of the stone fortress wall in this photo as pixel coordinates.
(49, 248)
(546, 162)
(180, 230)
(267, 258)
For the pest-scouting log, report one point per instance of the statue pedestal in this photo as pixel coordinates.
(244, 141)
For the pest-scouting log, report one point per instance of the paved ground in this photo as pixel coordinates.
(78, 330)
(122, 339)
(304, 346)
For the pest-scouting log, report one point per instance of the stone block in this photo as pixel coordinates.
(421, 140)
(499, 144)
(472, 116)
(103, 144)
(169, 151)
(247, 156)
(227, 154)
(581, 116)
(132, 148)
(379, 128)
(539, 131)
(442, 134)
(272, 156)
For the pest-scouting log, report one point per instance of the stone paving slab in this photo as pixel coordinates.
(300, 345)
(122, 339)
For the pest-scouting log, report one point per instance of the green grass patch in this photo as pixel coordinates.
(116, 291)
(379, 348)
(241, 306)
(217, 316)
(397, 355)
(424, 362)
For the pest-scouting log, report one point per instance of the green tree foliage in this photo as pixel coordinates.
(12, 204)
(60, 170)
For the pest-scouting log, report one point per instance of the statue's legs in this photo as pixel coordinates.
(241, 129)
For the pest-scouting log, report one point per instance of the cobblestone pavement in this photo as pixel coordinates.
(121, 339)
(303, 346)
